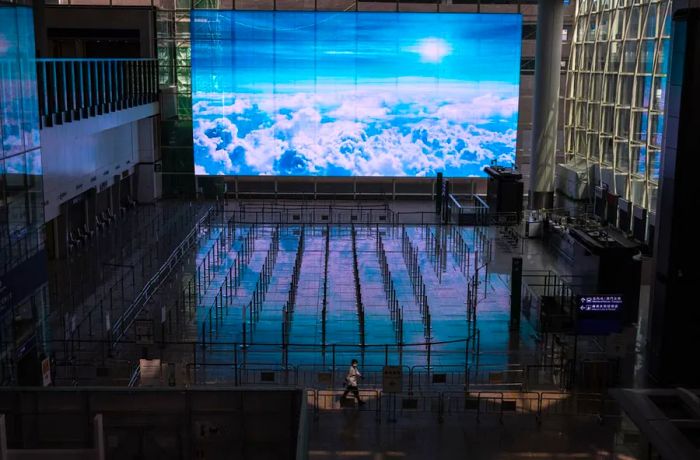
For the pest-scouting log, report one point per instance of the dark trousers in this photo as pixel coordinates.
(354, 390)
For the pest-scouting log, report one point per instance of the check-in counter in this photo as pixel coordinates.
(603, 258)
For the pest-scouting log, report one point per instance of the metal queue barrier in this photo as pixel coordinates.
(204, 354)
(110, 316)
(279, 211)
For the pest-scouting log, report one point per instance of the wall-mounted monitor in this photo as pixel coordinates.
(639, 223)
(611, 208)
(651, 232)
(354, 93)
(624, 209)
(600, 202)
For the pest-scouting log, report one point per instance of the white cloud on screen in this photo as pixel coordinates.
(205, 108)
(356, 130)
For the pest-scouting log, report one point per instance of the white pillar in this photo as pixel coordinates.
(550, 22)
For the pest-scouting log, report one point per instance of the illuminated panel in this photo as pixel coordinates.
(18, 99)
(354, 94)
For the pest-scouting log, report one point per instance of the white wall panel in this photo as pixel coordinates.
(84, 154)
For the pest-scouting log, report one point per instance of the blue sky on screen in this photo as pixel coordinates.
(354, 94)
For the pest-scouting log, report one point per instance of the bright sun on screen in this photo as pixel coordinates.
(354, 94)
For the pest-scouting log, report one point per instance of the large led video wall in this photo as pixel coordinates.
(19, 109)
(354, 94)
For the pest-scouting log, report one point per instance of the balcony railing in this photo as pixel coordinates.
(75, 89)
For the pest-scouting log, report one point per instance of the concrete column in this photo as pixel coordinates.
(675, 321)
(550, 22)
(61, 225)
(148, 182)
(40, 39)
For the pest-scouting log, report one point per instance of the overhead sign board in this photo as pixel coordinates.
(600, 304)
(599, 314)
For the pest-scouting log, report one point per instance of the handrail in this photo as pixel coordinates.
(480, 202)
(160, 5)
(93, 59)
(75, 89)
(417, 378)
(281, 213)
(420, 375)
(482, 403)
(269, 344)
(80, 323)
(135, 376)
(297, 206)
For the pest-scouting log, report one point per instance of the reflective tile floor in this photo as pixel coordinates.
(447, 259)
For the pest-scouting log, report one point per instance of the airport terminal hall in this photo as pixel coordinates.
(349, 229)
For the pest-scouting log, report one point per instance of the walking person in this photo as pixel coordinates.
(351, 382)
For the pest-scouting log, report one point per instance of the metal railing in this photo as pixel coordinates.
(235, 371)
(74, 89)
(122, 324)
(309, 213)
(560, 295)
(417, 378)
(467, 209)
(317, 6)
(209, 355)
(478, 403)
(426, 367)
(112, 307)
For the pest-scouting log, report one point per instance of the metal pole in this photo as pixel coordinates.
(333, 365)
(235, 364)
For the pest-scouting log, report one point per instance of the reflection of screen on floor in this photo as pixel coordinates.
(353, 94)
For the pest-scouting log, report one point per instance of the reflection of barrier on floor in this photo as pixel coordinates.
(410, 257)
(358, 291)
(395, 310)
(94, 453)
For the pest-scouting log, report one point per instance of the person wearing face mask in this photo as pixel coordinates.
(351, 382)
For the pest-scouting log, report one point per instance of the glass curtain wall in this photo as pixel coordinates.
(22, 273)
(174, 64)
(615, 93)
